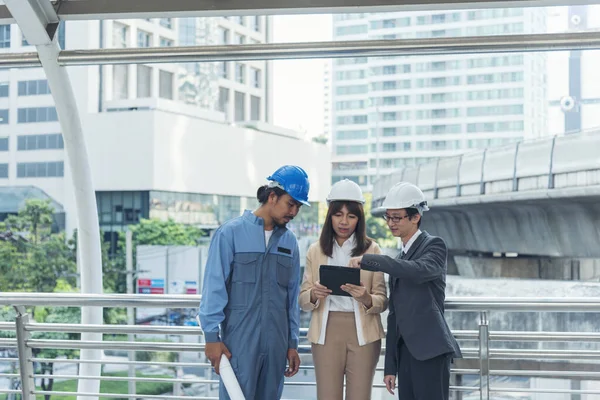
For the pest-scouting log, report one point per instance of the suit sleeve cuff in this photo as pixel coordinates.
(212, 337)
(293, 344)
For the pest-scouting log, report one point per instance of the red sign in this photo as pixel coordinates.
(144, 283)
(157, 290)
(191, 291)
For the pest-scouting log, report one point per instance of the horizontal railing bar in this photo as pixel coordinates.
(8, 342)
(144, 346)
(7, 326)
(550, 374)
(544, 354)
(99, 300)
(10, 391)
(545, 336)
(126, 378)
(82, 344)
(119, 362)
(120, 395)
(5, 360)
(9, 375)
(566, 304)
(542, 390)
(140, 329)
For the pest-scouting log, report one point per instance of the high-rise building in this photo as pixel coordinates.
(158, 135)
(390, 112)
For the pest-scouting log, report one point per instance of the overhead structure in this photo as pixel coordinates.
(338, 49)
(38, 21)
(118, 9)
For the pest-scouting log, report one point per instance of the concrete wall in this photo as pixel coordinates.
(560, 227)
(143, 150)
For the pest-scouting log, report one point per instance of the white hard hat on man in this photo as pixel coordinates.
(405, 195)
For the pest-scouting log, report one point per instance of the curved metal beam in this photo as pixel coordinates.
(38, 21)
(338, 49)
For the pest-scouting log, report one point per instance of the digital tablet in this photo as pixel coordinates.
(332, 277)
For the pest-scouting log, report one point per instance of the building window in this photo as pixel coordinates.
(120, 33)
(32, 88)
(3, 143)
(166, 22)
(4, 89)
(352, 149)
(223, 35)
(40, 142)
(224, 100)
(4, 171)
(240, 73)
(5, 36)
(120, 82)
(239, 39)
(165, 85)
(255, 23)
(40, 169)
(223, 68)
(254, 108)
(240, 106)
(36, 114)
(144, 39)
(3, 117)
(144, 81)
(255, 76)
(164, 42)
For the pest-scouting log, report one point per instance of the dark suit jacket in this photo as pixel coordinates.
(417, 294)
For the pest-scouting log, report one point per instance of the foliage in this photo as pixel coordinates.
(322, 139)
(34, 259)
(377, 228)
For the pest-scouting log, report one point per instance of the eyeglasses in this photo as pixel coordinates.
(395, 220)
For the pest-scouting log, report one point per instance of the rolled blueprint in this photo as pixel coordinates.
(228, 376)
(229, 380)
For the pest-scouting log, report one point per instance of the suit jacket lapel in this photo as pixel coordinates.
(411, 252)
(415, 246)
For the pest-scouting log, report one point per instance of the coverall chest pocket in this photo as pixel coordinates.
(243, 279)
(284, 270)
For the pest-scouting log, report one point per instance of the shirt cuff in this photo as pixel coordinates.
(293, 344)
(211, 337)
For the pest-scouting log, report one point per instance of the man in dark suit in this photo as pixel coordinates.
(419, 344)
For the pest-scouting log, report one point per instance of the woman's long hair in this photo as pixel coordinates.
(360, 234)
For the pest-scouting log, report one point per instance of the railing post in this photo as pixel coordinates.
(484, 357)
(25, 365)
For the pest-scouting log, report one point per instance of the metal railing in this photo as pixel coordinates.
(477, 365)
(525, 166)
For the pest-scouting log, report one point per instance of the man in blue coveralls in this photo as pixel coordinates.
(249, 309)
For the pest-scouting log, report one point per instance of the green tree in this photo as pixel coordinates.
(62, 315)
(33, 259)
(376, 226)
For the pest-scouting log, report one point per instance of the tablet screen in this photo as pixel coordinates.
(332, 277)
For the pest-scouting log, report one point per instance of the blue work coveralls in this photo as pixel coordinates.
(250, 291)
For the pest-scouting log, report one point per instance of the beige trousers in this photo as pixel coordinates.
(341, 355)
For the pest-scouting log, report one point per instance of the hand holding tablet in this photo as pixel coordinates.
(333, 277)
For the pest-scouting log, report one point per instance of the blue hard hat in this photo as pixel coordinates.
(293, 180)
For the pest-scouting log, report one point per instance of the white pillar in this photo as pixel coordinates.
(33, 18)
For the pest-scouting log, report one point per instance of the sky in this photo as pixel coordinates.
(298, 95)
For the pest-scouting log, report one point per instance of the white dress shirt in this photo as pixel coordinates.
(340, 256)
(413, 239)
